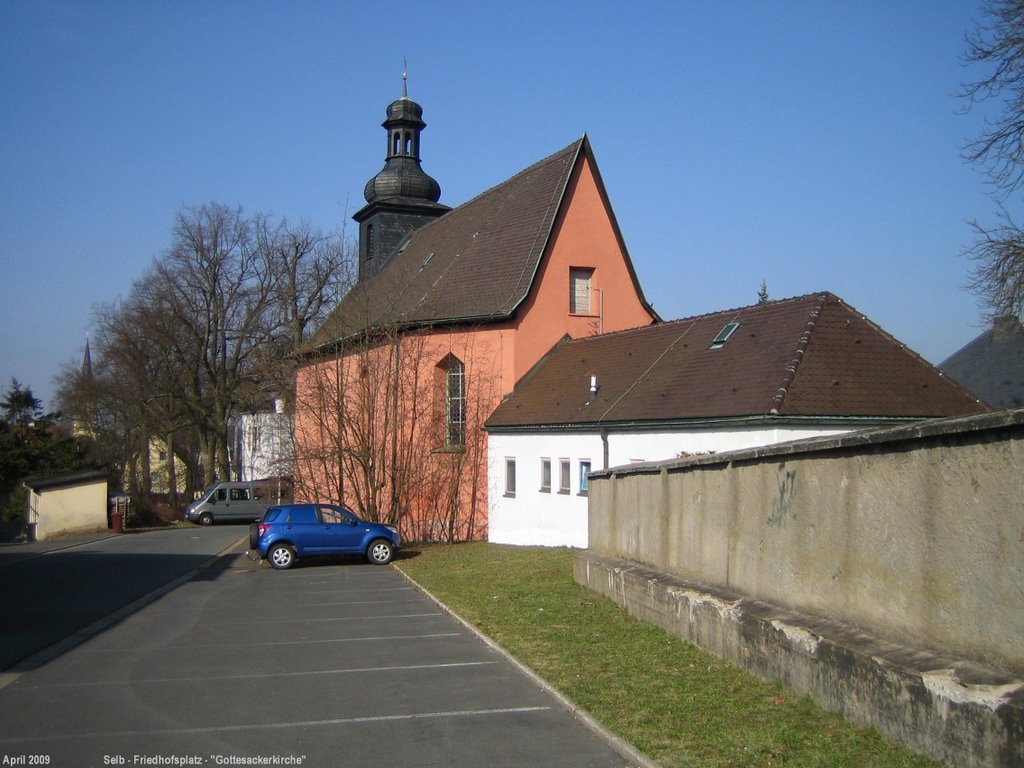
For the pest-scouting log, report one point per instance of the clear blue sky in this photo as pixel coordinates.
(812, 145)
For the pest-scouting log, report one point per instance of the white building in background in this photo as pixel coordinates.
(263, 444)
(742, 378)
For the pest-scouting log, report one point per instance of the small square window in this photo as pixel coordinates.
(545, 475)
(510, 477)
(584, 476)
(563, 476)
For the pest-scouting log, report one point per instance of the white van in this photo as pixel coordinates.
(243, 501)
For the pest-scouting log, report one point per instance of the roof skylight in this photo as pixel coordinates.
(723, 335)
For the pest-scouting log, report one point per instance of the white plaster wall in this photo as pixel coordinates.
(629, 448)
(557, 519)
(264, 445)
(534, 517)
(78, 508)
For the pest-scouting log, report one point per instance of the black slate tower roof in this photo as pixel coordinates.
(402, 197)
(992, 366)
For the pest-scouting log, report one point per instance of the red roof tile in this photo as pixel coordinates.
(811, 356)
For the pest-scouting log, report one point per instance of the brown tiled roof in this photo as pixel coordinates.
(475, 263)
(812, 356)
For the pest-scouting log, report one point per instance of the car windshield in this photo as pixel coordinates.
(209, 489)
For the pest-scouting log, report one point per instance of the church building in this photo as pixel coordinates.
(452, 307)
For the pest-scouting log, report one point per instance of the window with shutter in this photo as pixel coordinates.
(579, 290)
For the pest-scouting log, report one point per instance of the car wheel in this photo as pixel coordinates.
(206, 519)
(281, 556)
(254, 535)
(379, 552)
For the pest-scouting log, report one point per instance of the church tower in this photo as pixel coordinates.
(402, 197)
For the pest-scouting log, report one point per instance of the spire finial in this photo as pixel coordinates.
(405, 77)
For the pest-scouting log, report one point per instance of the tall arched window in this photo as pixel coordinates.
(369, 241)
(454, 402)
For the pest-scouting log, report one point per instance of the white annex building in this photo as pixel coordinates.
(263, 444)
(759, 375)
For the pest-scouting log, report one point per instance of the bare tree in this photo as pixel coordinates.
(998, 44)
(311, 271)
(208, 331)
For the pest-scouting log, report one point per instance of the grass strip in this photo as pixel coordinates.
(676, 703)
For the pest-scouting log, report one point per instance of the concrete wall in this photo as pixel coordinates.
(905, 544)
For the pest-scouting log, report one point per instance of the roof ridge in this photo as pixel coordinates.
(704, 316)
(546, 225)
(513, 177)
(913, 353)
(457, 208)
(798, 354)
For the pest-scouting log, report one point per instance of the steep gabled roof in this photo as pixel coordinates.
(475, 263)
(992, 365)
(807, 357)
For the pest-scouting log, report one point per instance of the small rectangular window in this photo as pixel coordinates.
(545, 475)
(584, 476)
(563, 476)
(580, 279)
(510, 477)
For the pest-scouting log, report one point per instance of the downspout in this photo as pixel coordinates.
(395, 475)
(339, 406)
(604, 448)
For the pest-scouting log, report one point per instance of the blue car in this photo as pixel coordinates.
(289, 532)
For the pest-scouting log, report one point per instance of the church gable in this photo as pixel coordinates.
(473, 264)
(585, 284)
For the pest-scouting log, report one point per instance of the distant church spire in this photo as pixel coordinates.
(402, 197)
(87, 360)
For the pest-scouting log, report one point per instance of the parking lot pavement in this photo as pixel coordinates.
(332, 664)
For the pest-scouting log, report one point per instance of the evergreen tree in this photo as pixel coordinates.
(31, 444)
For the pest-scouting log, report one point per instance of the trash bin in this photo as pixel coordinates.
(117, 520)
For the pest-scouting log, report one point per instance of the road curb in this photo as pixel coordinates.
(621, 746)
(50, 652)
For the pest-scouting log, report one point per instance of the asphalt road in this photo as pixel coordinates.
(50, 590)
(336, 663)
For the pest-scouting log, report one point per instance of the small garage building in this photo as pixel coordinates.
(75, 502)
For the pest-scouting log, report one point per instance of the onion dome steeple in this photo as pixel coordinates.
(402, 175)
(402, 197)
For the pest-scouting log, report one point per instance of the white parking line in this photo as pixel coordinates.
(256, 675)
(51, 737)
(354, 618)
(191, 647)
